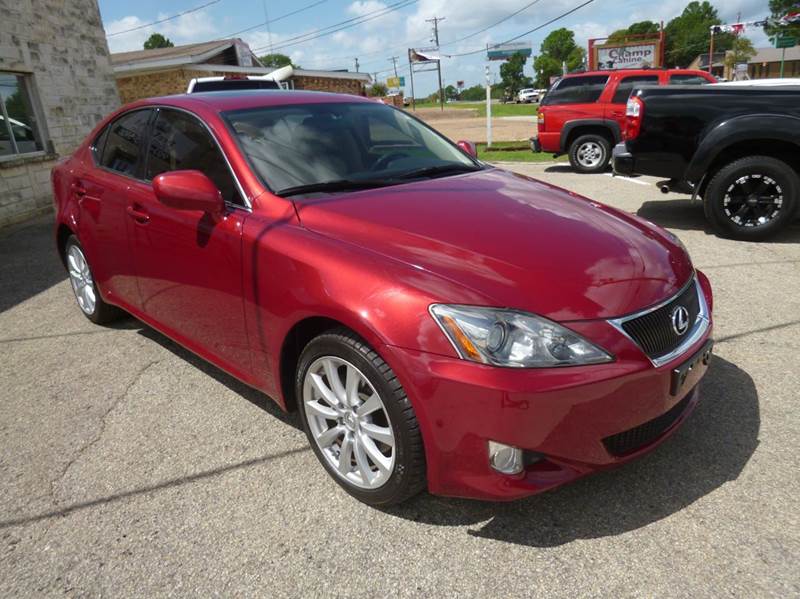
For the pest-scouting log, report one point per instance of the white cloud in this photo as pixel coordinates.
(193, 27)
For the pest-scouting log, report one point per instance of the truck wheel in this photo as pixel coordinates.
(752, 198)
(590, 153)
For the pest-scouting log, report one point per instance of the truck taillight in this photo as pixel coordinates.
(540, 120)
(634, 113)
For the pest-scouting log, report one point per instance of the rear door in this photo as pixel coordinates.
(572, 98)
(101, 187)
(615, 109)
(189, 262)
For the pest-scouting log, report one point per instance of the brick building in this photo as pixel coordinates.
(56, 82)
(766, 64)
(165, 71)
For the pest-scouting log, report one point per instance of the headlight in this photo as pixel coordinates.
(515, 339)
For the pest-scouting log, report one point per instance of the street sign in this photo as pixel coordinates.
(506, 51)
(395, 81)
(785, 41)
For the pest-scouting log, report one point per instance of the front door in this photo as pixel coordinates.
(188, 262)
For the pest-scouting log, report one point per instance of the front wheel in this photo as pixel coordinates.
(752, 198)
(359, 420)
(590, 153)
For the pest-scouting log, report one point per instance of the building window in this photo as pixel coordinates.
(19, 133)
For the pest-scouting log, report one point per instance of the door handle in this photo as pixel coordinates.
(78, 189)
(138, 214)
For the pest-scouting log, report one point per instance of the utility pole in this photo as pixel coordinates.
(410, 74)
(394, 60)
(356, 60)
(269, 32)
(435, 21)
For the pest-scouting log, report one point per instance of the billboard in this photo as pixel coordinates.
(643, 51)
(395, 81)
(423, 54)
(506, 51)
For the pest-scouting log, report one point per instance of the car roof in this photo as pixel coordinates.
(632, 71)
(222, 101)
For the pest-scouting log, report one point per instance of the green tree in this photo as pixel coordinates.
(558, 47)
(690, 34)
(741, 51)
(275, 60)
(474, 93)
(158, 41)
(450, 93)
(779, 8)
(377, 89)
(640, 28)
(512, 75)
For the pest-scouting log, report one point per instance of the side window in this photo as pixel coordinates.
(687, 80)
(576, 90)
(181, 142)
(123, 143)
(627, 84)
(98, 145)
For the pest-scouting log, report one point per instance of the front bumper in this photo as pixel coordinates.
(569, 421)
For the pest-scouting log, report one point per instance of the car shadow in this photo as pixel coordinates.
(688, 215)
(254, 396)
(30, 262)
(566, 168)
(711, 448)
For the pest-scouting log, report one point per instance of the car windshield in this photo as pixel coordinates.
(315, 147)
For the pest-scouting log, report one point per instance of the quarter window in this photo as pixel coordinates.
(180, 142)
(627, 84)
(123, 142)
(19, 133)
(576, 90)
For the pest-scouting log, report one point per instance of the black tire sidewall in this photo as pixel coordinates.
(578, 142)
(781, 172)
(398, 487)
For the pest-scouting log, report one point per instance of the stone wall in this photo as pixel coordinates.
(62, 46)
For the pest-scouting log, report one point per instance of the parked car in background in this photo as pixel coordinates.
(583, 114)
(322, 248)
(527, 96)
(735, 146)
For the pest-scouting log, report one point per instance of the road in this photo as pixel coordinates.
(128, 467)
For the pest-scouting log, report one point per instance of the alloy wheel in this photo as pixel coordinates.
(753, 200)
(348, 422)
(81, 279)
(589, 154)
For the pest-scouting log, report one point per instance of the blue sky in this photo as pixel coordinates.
(375, 41)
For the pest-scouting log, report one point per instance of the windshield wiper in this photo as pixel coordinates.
(335, 185)
(439, 169)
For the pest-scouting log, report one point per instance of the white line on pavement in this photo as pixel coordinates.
(627, 179)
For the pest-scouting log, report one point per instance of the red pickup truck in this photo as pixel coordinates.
(583, 114)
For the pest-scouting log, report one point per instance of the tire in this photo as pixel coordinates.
(734, 207)
(84, 286)
(591, 144)
(343, 354)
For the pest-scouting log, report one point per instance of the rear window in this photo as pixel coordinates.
(688, 80)
(233, 84)
(576, 90)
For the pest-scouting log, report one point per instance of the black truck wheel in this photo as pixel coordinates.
(590, 153)
(752, 198)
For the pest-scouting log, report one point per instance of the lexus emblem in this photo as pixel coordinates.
(680, 320)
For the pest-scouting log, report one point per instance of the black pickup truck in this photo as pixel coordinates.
(737, 148)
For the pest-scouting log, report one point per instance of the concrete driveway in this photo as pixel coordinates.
(130, 467)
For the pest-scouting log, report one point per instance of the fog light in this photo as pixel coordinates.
(505, 458)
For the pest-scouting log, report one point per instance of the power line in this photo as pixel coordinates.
(495, 24)
(276, 19)
(331, 29)
(164, 20)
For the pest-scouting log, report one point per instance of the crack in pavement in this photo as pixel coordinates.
(102, 429)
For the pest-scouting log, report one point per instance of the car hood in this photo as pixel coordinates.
(518, 242)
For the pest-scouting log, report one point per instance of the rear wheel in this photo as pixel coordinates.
(752, 198)
(84, 286)
(590, 153)
(359, 420)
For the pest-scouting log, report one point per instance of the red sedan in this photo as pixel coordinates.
(437, 322)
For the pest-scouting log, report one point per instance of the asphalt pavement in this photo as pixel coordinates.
(129, 467)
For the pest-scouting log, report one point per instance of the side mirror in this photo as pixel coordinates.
(188, 190)
(468, 147)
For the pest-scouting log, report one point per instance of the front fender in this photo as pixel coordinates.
(737, 129)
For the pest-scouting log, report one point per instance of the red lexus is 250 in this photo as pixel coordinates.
(438, 323)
